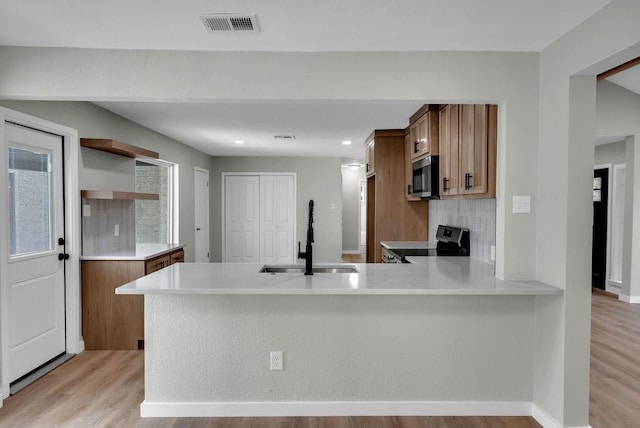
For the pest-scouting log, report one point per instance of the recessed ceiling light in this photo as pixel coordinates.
(239, 141)
(346, 142)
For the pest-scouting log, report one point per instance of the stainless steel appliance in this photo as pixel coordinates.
(425, 177)
(451, 241)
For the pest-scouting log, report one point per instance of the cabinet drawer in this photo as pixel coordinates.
(177, 257)
(157, 264)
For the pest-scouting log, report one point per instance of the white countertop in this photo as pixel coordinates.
(436, 275)
(408, 245)
(139, 252)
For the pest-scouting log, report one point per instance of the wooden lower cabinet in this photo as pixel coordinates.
(111, 321)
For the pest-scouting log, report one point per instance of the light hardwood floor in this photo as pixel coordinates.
(105, 388)
(614, 399)
(353, 258)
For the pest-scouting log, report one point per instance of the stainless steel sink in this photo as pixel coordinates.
(273, 269)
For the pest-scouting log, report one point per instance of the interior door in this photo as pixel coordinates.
(251, 219)
(599, 243)
(35, 273)
(233, 219)
(242, 219)
(202, 215)
(285, 219)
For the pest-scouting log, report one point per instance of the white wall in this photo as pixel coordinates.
(351, 208)
(104, 171)
(564, 205)
(317, 178)
(613, 153)
(508, 79)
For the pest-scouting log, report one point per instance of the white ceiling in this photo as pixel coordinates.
(319, 127)
(294, 25)
(287, 25)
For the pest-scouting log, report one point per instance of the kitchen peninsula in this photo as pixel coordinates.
(443, 336)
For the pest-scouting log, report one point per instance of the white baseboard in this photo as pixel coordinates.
(335, 408)
(629, 299)
(543, 418)
(351, 252)
(612, 287)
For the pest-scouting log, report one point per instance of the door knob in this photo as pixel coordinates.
(63, 256)
(197, 229)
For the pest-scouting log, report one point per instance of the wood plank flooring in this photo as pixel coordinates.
(353, 258)
(614, 399)
(105, 388)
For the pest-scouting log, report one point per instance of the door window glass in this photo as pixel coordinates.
(29, 201)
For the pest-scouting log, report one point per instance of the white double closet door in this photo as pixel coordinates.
(259, 218)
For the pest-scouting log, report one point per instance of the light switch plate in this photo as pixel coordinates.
(521, 204)
(86, 210)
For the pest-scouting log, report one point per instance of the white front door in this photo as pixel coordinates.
(35, 275)
(201, 193)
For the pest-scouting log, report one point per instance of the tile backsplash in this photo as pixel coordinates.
(477, 215)
(98, 229)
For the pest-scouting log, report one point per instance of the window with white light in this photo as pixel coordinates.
(156, 219)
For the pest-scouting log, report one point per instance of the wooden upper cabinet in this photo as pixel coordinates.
(468, 137)
(370, 157)
(424, 134)
(408, 167)
(449, 143)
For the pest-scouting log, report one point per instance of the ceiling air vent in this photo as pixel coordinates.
(285, 137)
(216, 22)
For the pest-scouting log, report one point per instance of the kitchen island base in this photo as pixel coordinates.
(208, 355)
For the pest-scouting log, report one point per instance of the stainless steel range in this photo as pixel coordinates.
(450, 241)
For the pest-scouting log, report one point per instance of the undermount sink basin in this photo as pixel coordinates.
(273, 269)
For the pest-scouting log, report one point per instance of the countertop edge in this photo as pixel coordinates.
(388, 292)
(116, 257)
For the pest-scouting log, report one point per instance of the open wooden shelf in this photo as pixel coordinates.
(118, 147)
(114, 194)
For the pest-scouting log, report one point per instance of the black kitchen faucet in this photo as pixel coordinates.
(308, 254)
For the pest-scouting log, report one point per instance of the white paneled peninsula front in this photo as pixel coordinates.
(442, 336)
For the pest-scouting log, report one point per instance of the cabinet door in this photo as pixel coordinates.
(423, 144)
(448, 140)
(177, 257)
(473, 148)
(432, 133)
(370, 158)
(408, 170)
(157, 264)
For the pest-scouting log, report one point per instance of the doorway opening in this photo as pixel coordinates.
(600, 228)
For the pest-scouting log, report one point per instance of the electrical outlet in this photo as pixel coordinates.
(116, 230)
(276, 360)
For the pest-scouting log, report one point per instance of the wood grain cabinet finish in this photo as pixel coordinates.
(468, 142)
(408, 167)
(110, 321)
(369, 157)
(390, 216)
(424, 134)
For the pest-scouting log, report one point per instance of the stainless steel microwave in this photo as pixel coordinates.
(425, 178)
